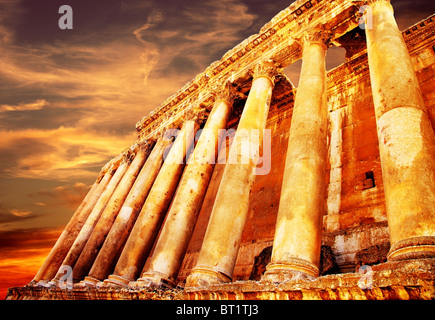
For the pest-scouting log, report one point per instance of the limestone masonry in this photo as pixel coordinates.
(241, 186)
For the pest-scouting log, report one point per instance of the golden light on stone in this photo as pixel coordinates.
(350, 182)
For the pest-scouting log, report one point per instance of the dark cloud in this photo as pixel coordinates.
(68, 195)
(182, 65)
(7, 215)
(35, 203)
(27, 238)
(19, 148)
(46, 118)
(187, 36)
(264, 11)
(409, 12)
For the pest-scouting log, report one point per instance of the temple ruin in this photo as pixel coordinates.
(241, 186)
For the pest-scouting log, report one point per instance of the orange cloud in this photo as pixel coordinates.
(23, 252)
(63, 153)
(20, 213)
(42, 204)
(69, 195)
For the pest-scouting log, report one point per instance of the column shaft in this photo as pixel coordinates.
(63, 244)
(406, 139)
(89, 225)
(297, 242)
(181, 218)
(221, 242)
(123, 224)
(104, 224)
(146, 227)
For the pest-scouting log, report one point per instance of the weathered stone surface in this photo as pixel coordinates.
(372, 255)
(260, 263)
(356, 222)
(327, 264)
(400, 282)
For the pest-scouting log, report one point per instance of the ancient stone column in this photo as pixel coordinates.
(104, 224)
(181, 218)
(121, 228)
(221, 242)
(92, 219)
(406, 138)
(146, 227)
(69, 234)
(297, 241)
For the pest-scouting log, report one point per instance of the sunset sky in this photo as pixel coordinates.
(69, 99)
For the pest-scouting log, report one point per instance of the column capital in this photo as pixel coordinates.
(224, 92)
(317, 35)
(100, 176)
(128, 156)
(145, 146)
(115, 163)
(267, 68)
(160, 132)
(104, 170)
(201, 115)
(195, 114)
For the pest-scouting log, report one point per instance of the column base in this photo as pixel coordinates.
(116, 281)
(154, 279)
(408, 266)
(88, 282)
(32, 284)
(294, 269)
(413, 248)
(204, 276)
(55, 283)
(44, 283)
